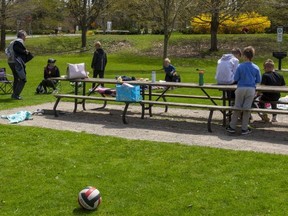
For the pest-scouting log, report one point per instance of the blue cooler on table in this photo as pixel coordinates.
(128, 93)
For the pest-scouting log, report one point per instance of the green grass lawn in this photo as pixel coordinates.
(42, 170)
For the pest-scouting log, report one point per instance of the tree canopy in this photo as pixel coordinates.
(156, 16)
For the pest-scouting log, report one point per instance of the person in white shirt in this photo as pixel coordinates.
(226, 69)
(227, 66)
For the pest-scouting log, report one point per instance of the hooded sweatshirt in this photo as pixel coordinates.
(226, 69)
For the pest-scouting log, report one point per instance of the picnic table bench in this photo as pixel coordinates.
(151, 98)
(211, 109)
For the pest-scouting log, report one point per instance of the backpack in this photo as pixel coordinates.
(176, 78)
(9, 51)
(40, 89)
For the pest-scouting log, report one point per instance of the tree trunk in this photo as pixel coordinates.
(3, 38)
(214, 31)
(165, 47)
(83, 36)
(3, 25)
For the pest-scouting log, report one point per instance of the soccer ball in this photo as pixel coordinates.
(89, 198)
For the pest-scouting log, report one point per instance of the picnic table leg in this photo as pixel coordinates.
(150, 98)
(55, 107)
(166, 107)
(104, 104)
(124, 113)
(211, 99)
(224, 104)
(102, 107)
(143, 110)
(209, 121)
(83, 93)
(93, 89)
(76, 93)
(163, 97)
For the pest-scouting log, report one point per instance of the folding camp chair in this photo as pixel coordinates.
(6, 86)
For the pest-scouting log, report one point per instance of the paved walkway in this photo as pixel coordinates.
(178, 125)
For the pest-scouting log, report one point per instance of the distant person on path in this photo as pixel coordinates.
(247, 76)
(51, 70)
(99, 62)
(18, 56)
(170, 70)
(271, 78)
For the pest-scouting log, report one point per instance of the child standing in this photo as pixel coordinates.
(247, 76)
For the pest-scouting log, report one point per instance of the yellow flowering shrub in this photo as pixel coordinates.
(253, 22)
(90, 33)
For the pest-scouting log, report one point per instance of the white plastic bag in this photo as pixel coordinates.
(76, 71)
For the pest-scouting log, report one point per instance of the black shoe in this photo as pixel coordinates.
(16, 97)
(230, 130)
(248, 131)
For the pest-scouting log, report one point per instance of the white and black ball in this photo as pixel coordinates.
(89, 198)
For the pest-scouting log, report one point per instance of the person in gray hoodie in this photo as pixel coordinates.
(226, 69)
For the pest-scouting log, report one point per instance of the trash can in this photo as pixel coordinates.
(279, 56)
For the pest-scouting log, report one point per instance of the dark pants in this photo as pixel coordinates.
(97, 73)
(49, 83)
(18, 83)
(168, 78)
(264, 100)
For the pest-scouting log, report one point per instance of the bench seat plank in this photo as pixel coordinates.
(211, 108)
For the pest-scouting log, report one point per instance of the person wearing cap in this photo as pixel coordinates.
(51, 70)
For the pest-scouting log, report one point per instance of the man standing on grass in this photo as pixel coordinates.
(18, 56)
(99, 62)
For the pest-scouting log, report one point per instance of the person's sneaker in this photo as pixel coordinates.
(248, 131)
(274, 119)
(230, 130)
(55, 91)
(16, 97)
(265, 117)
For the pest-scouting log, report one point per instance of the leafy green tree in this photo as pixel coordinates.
(85, 13)
(164, 14)
(276, 10)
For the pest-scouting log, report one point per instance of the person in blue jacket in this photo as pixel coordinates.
(247, 76)
(170, 70)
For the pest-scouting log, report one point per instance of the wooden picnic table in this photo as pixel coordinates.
(150, 98)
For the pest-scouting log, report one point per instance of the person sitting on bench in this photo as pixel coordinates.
(51, 70)
(271, 78)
